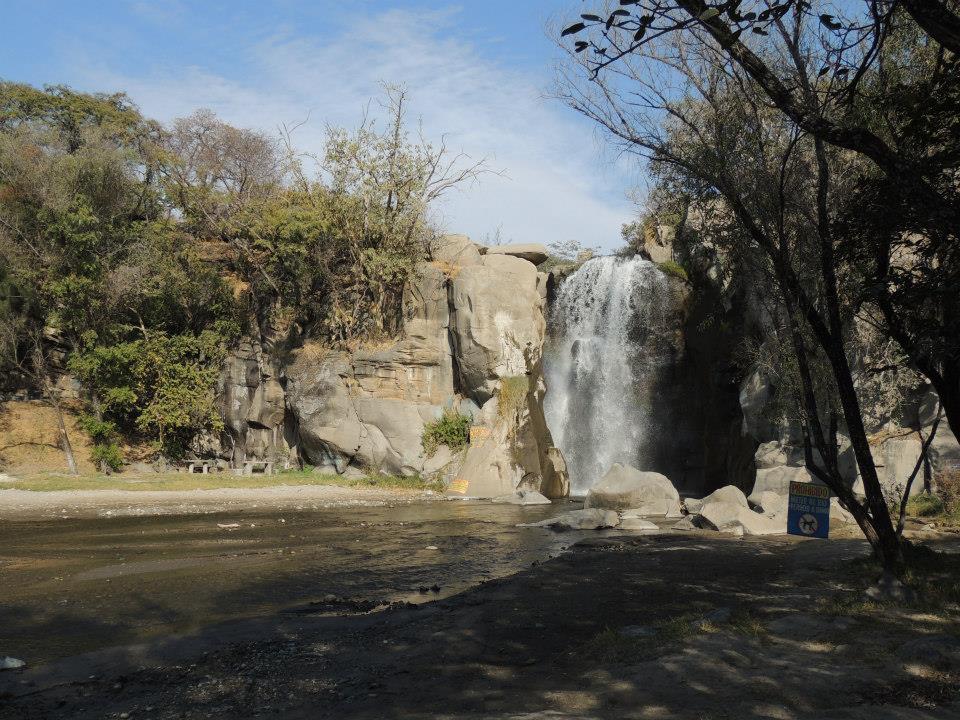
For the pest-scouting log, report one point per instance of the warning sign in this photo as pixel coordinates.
(808, 513)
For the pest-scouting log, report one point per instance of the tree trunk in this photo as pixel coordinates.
(937, 21)
(62, 428)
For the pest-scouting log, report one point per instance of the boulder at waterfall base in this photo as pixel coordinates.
(624, 487)
(732, 517)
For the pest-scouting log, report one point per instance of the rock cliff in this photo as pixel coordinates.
(472, 342)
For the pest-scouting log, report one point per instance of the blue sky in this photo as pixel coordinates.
(477, 71)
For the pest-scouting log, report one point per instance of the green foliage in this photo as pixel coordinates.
(162, 387)
(673, 269)
(925, 506)
(451, 429)
(108, 454)
(512, 396)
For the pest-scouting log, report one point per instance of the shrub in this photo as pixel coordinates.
(451, 429)
(512, 396)
(108, 454)
(925, 506)
(673, 269)
(948, 485)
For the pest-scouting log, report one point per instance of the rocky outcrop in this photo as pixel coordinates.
(251, 399)
(531, 252)
(471, 341)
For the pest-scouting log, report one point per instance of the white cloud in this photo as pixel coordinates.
(557, 183)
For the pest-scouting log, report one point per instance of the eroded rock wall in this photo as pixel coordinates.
(473, 322)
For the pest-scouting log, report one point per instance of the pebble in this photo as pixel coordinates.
(432, 547)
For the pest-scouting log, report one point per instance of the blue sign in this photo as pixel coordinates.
(808, 513)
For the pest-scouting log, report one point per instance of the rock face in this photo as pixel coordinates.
(472, 340)
(625, 487)
(531, 252)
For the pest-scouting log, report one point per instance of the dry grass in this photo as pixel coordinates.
(29, 439)
(213, 481)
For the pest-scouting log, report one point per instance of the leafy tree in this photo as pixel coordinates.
(853, 82)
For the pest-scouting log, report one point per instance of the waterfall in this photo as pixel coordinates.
(608, 323)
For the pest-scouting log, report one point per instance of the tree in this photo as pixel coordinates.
(826, 73)
(711, 136)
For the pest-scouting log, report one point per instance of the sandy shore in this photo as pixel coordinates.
(24, 504)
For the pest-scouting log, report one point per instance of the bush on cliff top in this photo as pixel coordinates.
(673, 269)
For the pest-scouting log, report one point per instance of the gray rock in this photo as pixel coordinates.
(772, 503)
(587, 519)
(655, 508)
(625, 487)
(730, 517)
(777, 480)
(638, 524)
(497, 324)
(522, 497)
(727, 494)
(693, 505)
(531, 252)
(457, 250)
(686, 524)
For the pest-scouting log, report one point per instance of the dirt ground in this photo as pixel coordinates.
(693, 625)
(66, 504)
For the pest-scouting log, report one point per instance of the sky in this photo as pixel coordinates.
(478, 73)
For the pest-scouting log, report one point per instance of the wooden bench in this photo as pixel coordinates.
(258, 467)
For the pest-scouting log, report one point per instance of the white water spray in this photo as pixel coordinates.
(603, 360)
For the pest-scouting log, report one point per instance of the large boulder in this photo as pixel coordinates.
(531, 252)
(625, 487)
(732, 517)
(726, 494)
(455, 251)
(777, 480)
(497, 324)
(522, 497)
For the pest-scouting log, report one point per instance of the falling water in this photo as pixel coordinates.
(606, 326)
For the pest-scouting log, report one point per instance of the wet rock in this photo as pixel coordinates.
(625, 487)
(587, 519)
